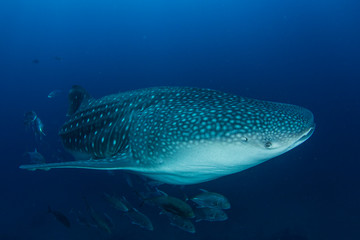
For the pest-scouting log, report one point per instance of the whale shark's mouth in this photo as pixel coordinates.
(304, 137)
(307, 134)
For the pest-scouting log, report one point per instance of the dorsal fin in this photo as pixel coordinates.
(78, 96)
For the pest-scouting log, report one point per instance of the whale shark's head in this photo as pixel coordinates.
(277, 128)
(236, 138)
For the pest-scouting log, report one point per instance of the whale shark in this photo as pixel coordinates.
(177, 135)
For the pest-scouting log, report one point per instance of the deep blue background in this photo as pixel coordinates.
(301, 52)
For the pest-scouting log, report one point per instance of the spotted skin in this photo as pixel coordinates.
(157, 131)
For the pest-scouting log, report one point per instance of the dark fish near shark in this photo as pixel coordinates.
(60, 217)
(178, 135)
(57, 58)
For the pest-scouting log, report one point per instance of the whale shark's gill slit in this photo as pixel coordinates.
(102, 133)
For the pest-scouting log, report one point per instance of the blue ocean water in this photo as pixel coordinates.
(298, 52)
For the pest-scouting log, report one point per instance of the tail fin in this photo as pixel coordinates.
(77, 96)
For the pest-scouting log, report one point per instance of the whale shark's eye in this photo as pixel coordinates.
(268, 144)
(244, 139)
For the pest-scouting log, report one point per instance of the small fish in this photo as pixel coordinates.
(32, 120)
(29, 117)
(60, 217)
(57, 58)
(102, 222)
(54, 93)
(60, 155)
(181, 223)
(210, 214)
(139, 219)
(36, 157)
(149, 195)
(128, 180)
(211, 200)
(82, 220)
(108, 220)
(117, 203)
(154, 184)
(172, 205)
(39, 127)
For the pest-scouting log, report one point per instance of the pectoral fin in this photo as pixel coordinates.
(119, 162)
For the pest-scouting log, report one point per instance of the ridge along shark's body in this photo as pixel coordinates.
(178, 135)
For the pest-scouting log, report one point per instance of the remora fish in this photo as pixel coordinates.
(35, 156)
(178, 135)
